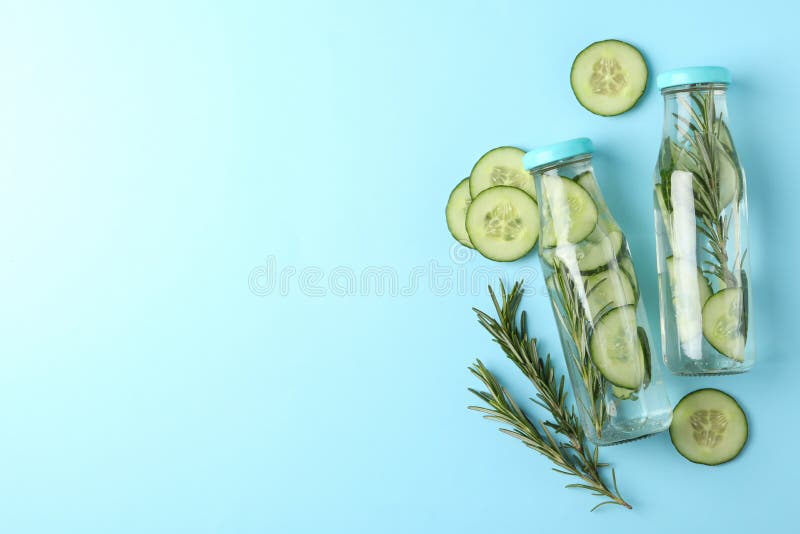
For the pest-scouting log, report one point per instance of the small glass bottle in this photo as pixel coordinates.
(595, 296)
(701, 229)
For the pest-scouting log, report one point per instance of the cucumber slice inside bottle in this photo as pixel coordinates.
(723, 316)
(664, 212)
(616, 348)
(724, 136)
(708, 427)
(456, 212)
(548, 255)
(572, 214)
(608, 289)
(648, 370)
(503, 223)
(501, 166)
(592, 256)
(609, 77)
(745, 303)
(626, 264)
(728, 176)
(622, 393)
(728, 179)
(587, 181)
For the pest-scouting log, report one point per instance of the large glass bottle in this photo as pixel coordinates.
(596, 301)
(701, 229)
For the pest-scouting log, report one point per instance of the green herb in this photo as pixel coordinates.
(573, 318)
(560, 438)
(701, 130)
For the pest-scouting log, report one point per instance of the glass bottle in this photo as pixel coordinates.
(595, 297)
(701, 229)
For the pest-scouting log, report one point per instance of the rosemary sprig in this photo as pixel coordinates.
(571, 453)
(573, 318)
(700, 132)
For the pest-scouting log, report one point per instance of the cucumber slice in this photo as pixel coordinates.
(723, 316)
(622, 393)
(572, 213)
(456, 212)
(503, 223)
(609, 77)
(501, 166)
(548, 255)
(648, 370)
(626, 264)
(708, 427)
(682, 158)
(664, 212)
(587, 181)
(728, 176)
(727, 170)
(724, 136)
(745, 303)
(616, 348)
(592, 256)
(608, 289)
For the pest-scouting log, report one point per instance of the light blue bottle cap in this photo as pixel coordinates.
(692, 75)
(556, 152)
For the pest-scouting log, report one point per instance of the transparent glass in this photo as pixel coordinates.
(601, 319)
(701, 237)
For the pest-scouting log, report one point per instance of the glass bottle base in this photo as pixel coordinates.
(697, 369)
(632, 430)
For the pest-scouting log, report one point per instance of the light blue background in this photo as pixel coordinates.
(155, 156)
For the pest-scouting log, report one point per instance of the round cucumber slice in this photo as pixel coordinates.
(592, 256)
(609, 77)
(723, 316)
(608, 289)
(708, 427)
(616, 348)
(572, 212)
(503, 223)
(456, 212)
(501, 166)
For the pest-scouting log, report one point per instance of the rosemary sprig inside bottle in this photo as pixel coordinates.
(571, 313)
(701, 132)
(560, 438)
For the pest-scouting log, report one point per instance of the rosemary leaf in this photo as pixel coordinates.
(571, 453)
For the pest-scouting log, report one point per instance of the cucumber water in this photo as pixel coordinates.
(595, 297)
(701, 232)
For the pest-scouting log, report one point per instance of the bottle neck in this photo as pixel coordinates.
(684, 105)
(568, 166)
